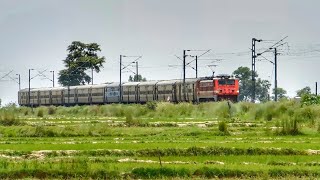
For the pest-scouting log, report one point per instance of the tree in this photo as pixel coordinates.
(262, 86)
(281, 93)
(81, 57)
(304, 91)
(136, 78)
(244, 74)
(262, 90)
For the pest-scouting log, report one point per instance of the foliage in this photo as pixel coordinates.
(51, 110)
(262, 86)
(8, 118)
(114, 142)
(150, 173)
(223, 128)
(137, 78)
(40, 112)
(152, 105)
(81, 57)
(281, 93)
(289, 126)
(10, 105)
(244, 74)
(304, 91)
(310, 99)
(262, 90)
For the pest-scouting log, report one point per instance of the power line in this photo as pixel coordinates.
(275, 45)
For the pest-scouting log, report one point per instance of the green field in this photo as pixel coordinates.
(161, 140)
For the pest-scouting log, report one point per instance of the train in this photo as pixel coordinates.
(217, 88)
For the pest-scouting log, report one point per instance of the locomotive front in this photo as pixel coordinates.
(226, 88)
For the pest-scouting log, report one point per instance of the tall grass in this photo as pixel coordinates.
(245, 111)
(223, 128)
(8, 118)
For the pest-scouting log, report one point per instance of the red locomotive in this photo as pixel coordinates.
(221, 87)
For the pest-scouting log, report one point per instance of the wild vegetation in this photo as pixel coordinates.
(162, 140)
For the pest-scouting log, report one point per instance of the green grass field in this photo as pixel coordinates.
(161, 141)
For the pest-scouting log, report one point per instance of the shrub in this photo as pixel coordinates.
(225, 109)
(116, 110)
(309, 99)
(8, 119)
(51, 110)
(152, 105)
(289, 126)
(130, 121)
(94, 110)
(184, 109)
(165, 109)
(42, 131)
(223, 128)
(40, 112)
(26, 112)
(305, 114)
(246, 106)
(258, 113)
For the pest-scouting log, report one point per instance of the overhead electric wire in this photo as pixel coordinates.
(273, 46)
(7, 74)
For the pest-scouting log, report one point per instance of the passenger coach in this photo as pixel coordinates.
(217, 88)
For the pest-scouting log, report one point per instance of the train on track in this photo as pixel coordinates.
(222, 87)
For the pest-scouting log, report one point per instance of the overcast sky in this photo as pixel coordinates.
(36, 33)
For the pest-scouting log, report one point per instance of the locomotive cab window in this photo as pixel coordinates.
(230, 82)
(226, 82)
(222, 81)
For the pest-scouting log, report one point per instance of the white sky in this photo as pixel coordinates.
(36, 33)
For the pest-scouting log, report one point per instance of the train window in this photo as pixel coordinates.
(226, 82)
(206, 84)
(222, 81)
(230, 82)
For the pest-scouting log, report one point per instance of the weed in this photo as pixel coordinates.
(289, 126)
(152, 105)
(223, 128)
(8, 119)
(151, 173)
(40, 112)
(246, 106)
(52, 110)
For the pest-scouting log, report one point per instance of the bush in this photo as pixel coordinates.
(8, 119)
(289, 126)
(225, 109)
(246, 106)
(40, 112)
(165, 109)
(309, 99)
(42, 131)
(223, 128)
(305, 114)
(51, 110)
(152, 105)
(130, 121)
